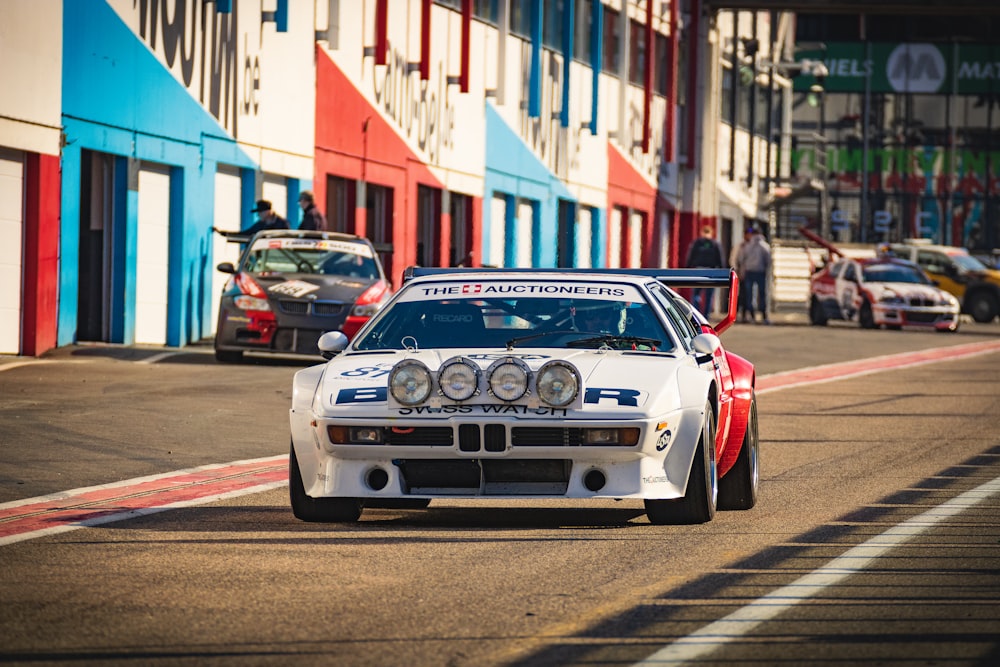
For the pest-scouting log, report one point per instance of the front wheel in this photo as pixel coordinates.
(817, 316)
(866, 319)
(738, 489)
(319, 510)
(699, 501)
(983, 307)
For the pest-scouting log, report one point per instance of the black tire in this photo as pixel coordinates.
(738, 489)
(866, 320)
(817, 316)
(319, 510)
(229, 356)
(699, 501)
(982, 306)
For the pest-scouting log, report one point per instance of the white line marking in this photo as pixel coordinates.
(741, 622)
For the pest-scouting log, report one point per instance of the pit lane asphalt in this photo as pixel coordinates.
(240, 582)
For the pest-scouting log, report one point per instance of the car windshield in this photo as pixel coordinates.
(315, 256)
(449, 321)
(967, 262)
(893, 273)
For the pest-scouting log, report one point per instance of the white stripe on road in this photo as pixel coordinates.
(741, 622)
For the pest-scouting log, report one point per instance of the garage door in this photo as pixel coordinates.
(227, 217)
(152, 255)
(11, 235)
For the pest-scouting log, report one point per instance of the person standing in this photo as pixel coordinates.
(266, 219)
(754, 259)
(704, 253)
(734, 262)
(312, 217)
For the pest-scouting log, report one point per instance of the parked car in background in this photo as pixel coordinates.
(293, 286)
(880, 292)
(976, 285)
(529, 384)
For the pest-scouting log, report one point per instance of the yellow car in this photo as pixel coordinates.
(955, 271)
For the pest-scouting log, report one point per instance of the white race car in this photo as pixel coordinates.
(529, 383)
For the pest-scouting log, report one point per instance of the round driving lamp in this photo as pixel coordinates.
(410, 382)
(558, 384)
(458, 379)
(508, 378)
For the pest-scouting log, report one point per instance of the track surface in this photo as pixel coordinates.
(825, 569)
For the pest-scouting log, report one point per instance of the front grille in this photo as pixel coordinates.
(919, 302)
(468, 437)
(486, 477)
(495, 437)
(317, 308)
(925, 318)
(423, 435)
(532, 436)
(297, 341)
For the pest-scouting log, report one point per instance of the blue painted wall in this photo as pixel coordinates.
(118, 99)
(513, 171)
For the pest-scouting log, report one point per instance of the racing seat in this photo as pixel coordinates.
(449, 324)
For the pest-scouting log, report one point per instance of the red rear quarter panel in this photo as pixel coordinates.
(743, 380)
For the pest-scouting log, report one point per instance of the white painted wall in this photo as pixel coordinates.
(497, 234)
(152, 255)
(525, 219)
(228, 198)
(11, 251)
(30, 74)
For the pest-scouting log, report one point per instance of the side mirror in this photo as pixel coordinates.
(705, 346)
(332, 343)
(226, 267)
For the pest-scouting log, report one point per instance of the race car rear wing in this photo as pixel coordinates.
(673, 278)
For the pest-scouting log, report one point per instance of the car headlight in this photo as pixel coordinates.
(626, 437)
(246, 302)
(365, 309)
(459, 379)
(410, 382)
(508, 378)
(558, 383)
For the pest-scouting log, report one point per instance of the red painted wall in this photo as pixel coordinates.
(628, 188)
(354, 141)
(41, 253)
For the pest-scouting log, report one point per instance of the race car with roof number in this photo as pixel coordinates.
(529, 384)
(292, 286)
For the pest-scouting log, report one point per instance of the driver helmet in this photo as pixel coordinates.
(601, 317)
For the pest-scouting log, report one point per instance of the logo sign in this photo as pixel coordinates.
(916, 68)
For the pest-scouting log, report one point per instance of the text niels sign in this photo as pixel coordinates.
(966, 69)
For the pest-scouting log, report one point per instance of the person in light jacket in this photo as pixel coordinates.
(753, 263)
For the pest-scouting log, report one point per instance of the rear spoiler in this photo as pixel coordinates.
(673, 278)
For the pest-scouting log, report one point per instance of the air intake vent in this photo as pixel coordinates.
(495, 436)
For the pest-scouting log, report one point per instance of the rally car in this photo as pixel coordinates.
(880, 292)
(533, 383)
(291, 287)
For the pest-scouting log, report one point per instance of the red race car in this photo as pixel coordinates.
(880, 292)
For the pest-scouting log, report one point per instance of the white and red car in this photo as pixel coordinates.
(534, 383)
(880, 292)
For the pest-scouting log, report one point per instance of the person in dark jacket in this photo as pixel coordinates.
(704, 253)
(312, 218)
(266, 219)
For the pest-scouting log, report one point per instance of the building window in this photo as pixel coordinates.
(661, 72)
(520, 18)
(584, 21)
(612, 32)
(637, 52)
(727, 96)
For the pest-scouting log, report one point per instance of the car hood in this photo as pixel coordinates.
(311, 286)
(908, 291)
(626, 383)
